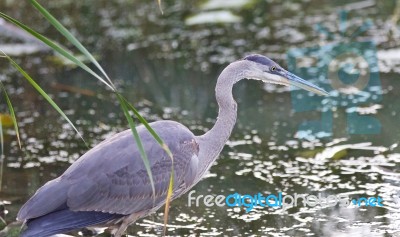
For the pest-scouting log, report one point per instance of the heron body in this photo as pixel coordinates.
(109, 186)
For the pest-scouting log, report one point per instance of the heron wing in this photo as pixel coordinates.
(50, 197)
(113, 177)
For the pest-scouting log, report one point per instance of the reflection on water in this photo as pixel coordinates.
(168, 68)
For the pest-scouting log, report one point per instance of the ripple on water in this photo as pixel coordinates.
(327, 171)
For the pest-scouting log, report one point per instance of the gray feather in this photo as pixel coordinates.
(112, 178)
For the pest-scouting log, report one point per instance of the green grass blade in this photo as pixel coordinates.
(125, 105)
(79, 46)
(150, 129)
(167, 150)
(55, 47)
(143, 153)
(50, 18)
(12, 113)
(169, 197)
(1, 142)
(1, 154)
(69, 56)
(45, 95)
(165, 147)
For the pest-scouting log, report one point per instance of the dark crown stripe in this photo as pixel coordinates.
(259, 59)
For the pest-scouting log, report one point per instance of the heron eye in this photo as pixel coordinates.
(273, 68)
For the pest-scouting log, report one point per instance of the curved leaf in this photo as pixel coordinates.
(69, 37)
(55, 47)
(44, 94)
(138, 140)
(12, 113)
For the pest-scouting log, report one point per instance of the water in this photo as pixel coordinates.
(168, 69)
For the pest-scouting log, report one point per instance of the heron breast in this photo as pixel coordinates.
(193, 145)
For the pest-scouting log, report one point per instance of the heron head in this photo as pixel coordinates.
(264, 69)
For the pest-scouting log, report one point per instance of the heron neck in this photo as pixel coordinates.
(212, 142)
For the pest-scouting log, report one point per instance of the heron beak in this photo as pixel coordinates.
(303, 84)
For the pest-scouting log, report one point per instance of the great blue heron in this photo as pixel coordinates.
(109, 186)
